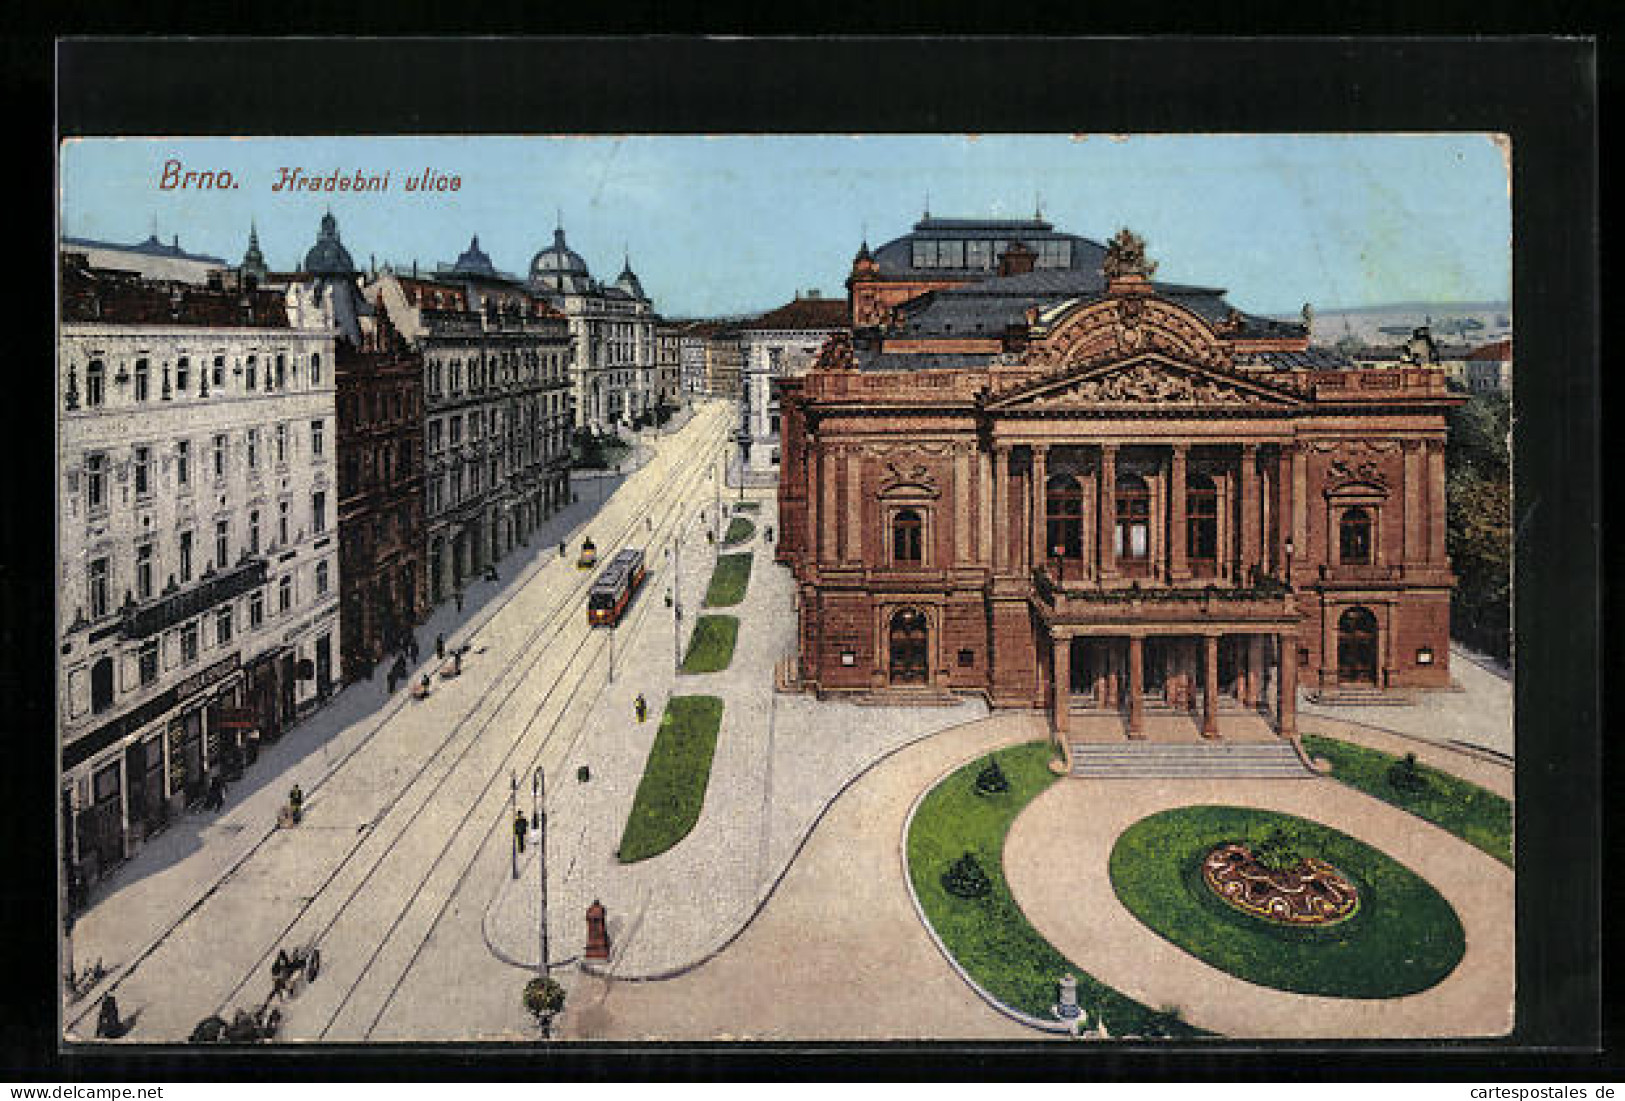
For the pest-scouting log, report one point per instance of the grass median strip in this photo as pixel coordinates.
(1480, 818)
(990, 936)
(739, 530)
(728, 581)
(711, 650)
(672, 791)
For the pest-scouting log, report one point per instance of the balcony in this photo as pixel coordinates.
(1073, 598)
(146, 620)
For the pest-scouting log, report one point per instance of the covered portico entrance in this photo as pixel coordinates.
(1208, 680)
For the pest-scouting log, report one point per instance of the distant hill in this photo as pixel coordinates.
(1472, 323)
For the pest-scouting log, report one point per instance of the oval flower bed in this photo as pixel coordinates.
(1401, 938)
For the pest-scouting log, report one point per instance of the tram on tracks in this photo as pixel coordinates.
(614, 589)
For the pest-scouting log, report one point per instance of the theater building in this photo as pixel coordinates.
(1078, 490)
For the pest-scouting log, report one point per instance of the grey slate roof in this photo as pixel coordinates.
(925, 361)
(150, 247)
(1313, 359)
(896, 257)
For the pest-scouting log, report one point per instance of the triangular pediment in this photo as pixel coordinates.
(1147, 382)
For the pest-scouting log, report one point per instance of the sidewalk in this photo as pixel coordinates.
(780, 761)
(162, 881)
(1479, 714)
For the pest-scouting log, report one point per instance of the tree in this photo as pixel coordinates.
(544, 1000)
(1478, 462)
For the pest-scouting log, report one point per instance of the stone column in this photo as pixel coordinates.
(962, 514)
(827, 550)
(1178, 539)
(984, 508)
(853, 463)
(1299, 478)
(1106, 514)
(1210, 686)
(1001, 507)
(1250, 679)
(1136, 686)
(1287, 712)
(1415, 537)
(1249, 512)
(1436, 502)
(1226, 524)
(1039, 505)
(1062, 651)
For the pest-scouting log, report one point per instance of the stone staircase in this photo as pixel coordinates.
(1187, 760)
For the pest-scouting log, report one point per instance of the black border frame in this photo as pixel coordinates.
(1542, 92)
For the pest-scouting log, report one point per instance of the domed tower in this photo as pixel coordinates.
(628, 281)
(474, 261)
(333, 281)
(559, 270)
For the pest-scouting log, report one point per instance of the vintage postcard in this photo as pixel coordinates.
(995, 587)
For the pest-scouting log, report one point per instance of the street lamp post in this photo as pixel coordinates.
(538, 802)
(513, 812)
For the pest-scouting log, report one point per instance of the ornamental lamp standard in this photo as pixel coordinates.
(538, 810)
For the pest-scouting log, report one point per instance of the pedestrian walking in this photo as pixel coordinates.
(440, 647)
(641, 706)
(520, 828)
(412, 646)
(296, 801)
(459, 600)
(217, 794)
(108, 1024)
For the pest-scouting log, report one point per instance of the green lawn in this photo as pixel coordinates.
(990, 936)
(739, 530)
(712, 647)
(1478, 817)
(672, 790)
(1404, 938)
(728, 581)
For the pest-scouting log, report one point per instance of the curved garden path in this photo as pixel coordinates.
(1055, 860)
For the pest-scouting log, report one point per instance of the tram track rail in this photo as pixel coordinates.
(686, 472)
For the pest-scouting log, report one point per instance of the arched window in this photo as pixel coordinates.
(1202, 518)
(1063, 510)
(1354, 537)
(1132, 539)
(906, 530)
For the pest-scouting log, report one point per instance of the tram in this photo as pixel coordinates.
(615, 588)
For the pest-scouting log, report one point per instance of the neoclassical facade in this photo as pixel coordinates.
(198, 561)
(613, 329)
(781, 343)
(1120, 495)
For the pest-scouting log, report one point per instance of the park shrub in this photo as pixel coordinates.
(991, 780)
(965, 878)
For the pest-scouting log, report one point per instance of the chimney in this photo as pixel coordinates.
(1017, 259)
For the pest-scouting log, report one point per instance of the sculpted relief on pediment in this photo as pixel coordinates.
(1147, 383)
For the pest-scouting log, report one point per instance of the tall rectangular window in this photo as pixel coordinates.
(251, 373)
(281, 444)
(143, 472)
(98, 588)
(222, 543)
(96, 482)
(143, 379)
(222, 626)
(189, 643)
(256, 609)
(95, 384)
(318, 442)
(253, 448)
(183, 373)
(219, 457)
(284, 591)
(282, 523)
(318, 511)
(321, 579)
(186, 557)
(183, 464)
(315, 368)
(143, 572)
(281, 371)
(149, 662)
(254, 531)
(219, 371)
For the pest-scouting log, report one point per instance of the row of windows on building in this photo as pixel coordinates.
(143, 461)
(186, 563)
(279, 370)
(1131, 536)
(187, 642)
(984, 255)
(497, 369)
(488, 423)
(380, 406)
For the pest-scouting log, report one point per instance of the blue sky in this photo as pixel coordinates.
(726, 225)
